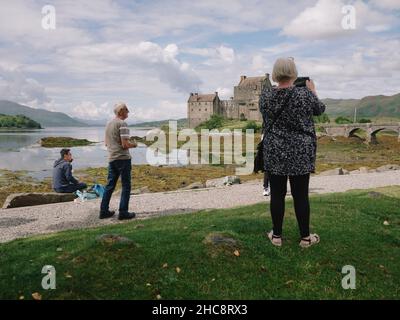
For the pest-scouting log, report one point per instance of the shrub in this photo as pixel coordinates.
(342, 120)
(323, 118)
(252, 125)
(214, 122)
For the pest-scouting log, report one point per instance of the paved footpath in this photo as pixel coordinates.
(27, 221)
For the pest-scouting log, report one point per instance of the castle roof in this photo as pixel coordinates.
(202, 97)
(250, 81)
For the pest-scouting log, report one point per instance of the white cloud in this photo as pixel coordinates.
(90, 111)
(15, 86)
(324, 20)
(119, 57)
(219, 55)
(386, 4)
(164, 109)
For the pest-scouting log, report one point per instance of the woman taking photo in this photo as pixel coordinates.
(290, 146)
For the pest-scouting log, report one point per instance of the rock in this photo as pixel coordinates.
(218, 242)
(374, 194)
(333, 172)
(388, 167)
(346, 171)
(364, 170)
(140, 190)
(195, 185)
(228, 180)
(218, 238)
(112, 239)
(17, 200)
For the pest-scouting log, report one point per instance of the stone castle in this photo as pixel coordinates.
(243, 105)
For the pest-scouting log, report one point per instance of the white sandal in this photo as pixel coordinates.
(275, 240)
(309, 241)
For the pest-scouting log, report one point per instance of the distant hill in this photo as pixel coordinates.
(159, 124)
(44, 117)
(367, 107)
(92, 123)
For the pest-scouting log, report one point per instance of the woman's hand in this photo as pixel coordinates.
(310, 85)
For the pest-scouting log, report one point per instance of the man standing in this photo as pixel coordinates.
(63, 181)
(118, 145)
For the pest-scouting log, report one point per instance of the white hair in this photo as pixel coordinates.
(118, 107)
(284, 69)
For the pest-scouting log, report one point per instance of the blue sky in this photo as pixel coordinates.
(152, 54)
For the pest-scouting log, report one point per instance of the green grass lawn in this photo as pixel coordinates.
(350, 225)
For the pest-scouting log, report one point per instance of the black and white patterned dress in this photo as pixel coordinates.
(290, 146)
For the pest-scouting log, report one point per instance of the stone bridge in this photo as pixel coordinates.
(348, 130)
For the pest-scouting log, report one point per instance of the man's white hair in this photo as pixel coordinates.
(118, 107)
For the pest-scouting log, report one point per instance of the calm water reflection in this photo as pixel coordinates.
(19, 150)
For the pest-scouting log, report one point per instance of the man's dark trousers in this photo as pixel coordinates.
(116, 169)
(71, 188)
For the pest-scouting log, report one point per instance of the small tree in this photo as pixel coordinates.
(214, 122)
(323, 118)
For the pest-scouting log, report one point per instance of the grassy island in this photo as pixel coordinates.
(63, 142)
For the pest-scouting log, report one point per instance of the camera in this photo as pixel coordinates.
(301, 81)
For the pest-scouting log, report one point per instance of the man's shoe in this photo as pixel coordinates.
(106, 214)
(126, 215)
(267, 192)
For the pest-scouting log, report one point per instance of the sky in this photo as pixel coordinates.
(153, 54)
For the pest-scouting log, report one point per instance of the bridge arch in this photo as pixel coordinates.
(352, 131)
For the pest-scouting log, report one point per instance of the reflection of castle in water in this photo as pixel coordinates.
(243, 104)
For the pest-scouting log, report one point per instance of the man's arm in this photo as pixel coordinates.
(69, 176)
(124, 134)
(126, 144)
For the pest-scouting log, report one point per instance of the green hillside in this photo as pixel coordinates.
(367, 107)
(18, 121)
(44, 117)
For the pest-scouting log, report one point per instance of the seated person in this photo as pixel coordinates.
(63, 181)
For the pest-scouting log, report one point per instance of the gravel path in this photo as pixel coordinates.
(27, 221)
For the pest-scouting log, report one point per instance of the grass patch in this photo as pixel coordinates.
(171, 258)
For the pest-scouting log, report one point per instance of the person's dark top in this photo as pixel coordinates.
(290, 146)
(62, 174)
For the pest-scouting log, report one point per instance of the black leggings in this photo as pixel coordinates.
(299, 189)
(266, 180)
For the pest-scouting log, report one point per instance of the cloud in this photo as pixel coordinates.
(146, 56)
(164, 109)
(89, 110)
(324, 20)
(15, 86)
(386, 4)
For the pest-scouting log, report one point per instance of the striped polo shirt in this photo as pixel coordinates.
(116, 130)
